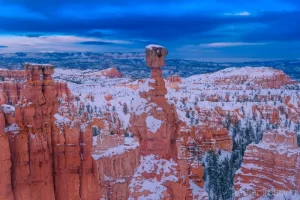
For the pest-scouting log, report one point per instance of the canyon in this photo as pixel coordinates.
(75, 134)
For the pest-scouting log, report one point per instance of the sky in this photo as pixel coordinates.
(205, 30)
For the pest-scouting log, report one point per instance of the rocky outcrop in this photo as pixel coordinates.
(45, 155)
(173, 82)
(254, 78)
(156, 126)
(31, 147)
(12, 74)
(74, 167)
(5, 162)
(271, 165)
(116, 167)
(10, 91)
(175, 79)
(109, 72)
(63, 91)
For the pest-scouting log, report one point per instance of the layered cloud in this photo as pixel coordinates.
(114, 24)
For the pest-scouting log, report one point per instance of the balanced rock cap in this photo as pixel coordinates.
(155, 56)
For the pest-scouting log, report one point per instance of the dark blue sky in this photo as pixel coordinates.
(208, 30)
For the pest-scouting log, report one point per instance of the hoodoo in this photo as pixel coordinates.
(159, 175)
(157, 127)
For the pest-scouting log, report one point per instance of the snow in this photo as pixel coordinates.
(246, 72)
(153, 124)
(145, 86)
(7, 109)
(151, 46)
(152, 164)
(118, 150)
(278, 195)
(279, 141)
(203, 87)
(129, 141)
(224, 154)
(281, 195)
(61, 119)
(13, 128)
(95, 138)
(197, 191)
(44, 65)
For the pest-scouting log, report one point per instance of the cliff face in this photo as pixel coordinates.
(5, 162)
(75, 171)
(260, 78)
(63, 91)
(116, 170)
(271, 165)
(42, 144)
(11, 91)
(12, 74)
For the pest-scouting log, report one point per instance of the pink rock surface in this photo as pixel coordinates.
(159, 175)
(50, 157)
(273, 164)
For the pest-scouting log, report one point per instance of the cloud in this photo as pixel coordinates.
(279, 26)
(169, 26)
(109, 24)
(96, 43)
(229, 44)
(97, 34)
(33, 35)
(239, 14)
(156, 27)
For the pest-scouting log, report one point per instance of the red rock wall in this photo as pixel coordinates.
(273, 164)
(48, 160)
(5, 163)
(74, 168)
(13, 74)
(11, 92)
(63, 91)
(115, 173)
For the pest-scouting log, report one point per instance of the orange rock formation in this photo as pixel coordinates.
(12, 74)
(50, 157)
(157, 130)
(271, 165)
(109, 72)
(161, 117)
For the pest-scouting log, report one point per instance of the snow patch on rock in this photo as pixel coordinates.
(153, 124)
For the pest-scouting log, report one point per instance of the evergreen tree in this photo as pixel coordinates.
(88, 108)
(196, 101)
(125, 108)
(187, 114)
(127, 134)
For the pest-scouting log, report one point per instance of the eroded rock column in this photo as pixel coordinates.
(31, 148)
(156, 128)
(5, 163)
